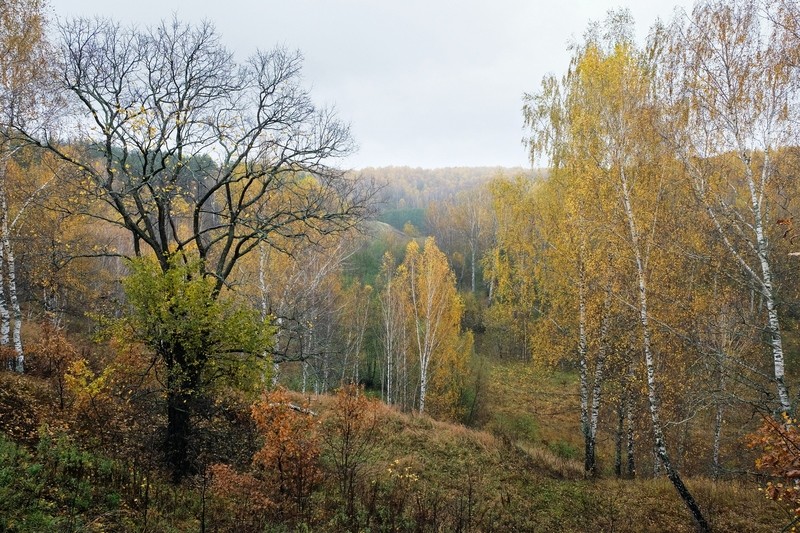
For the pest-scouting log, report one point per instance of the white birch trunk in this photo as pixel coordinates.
(404, 380)
(652, 393)
(423, 386)
(389, 369)
(768, 291)
(474, 266)
(715, 466)
(426, 328)
(618, 438)
(388, 310)
(630, 438)
(423, 362)
(764, 281)
(582, 350)
(594, 414)
(5, 316)
(275, 379)
(767, 294)
(348, 346)
(16, 333)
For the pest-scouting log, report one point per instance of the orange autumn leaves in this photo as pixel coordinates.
(779, 440)
(300, 449)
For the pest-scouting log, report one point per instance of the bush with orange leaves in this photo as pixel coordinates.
(285, 470)
(241, 501)
(780, 442)
(290, 455)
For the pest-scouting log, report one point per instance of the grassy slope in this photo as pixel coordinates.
(522, 480)
(538, 410)
(531, 484)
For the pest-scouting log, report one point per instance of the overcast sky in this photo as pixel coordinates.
(428, 83)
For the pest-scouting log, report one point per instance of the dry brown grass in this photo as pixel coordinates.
(651, 505)
(552, 463)
(522, 485)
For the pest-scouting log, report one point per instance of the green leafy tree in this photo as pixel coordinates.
(201, 339)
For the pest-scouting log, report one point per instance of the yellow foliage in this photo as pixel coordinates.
(84, 383)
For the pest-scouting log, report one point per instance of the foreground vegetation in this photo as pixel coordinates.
(367, 465)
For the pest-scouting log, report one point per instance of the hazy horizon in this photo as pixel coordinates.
(428, 84)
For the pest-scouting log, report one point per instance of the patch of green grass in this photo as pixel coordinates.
(515, 426)
(563, 449)
(23, 484)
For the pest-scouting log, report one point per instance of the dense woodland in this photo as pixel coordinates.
(206, 324)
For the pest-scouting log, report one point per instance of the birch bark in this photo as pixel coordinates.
(733, 96)
(602, 353)
(5, 315)
(652, 392)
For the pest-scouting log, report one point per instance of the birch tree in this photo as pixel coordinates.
(23, 66)
(604, 128)
(435, 307)
(575, 214)
(733, 102)
(300, 286)
(620, 85)
(420, 299)
(391, 334)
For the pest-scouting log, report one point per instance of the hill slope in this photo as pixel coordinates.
(414, 473)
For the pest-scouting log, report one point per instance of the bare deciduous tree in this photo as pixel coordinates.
(197, 155)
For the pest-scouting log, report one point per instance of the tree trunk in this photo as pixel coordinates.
(8, 251)
(764, 282)
(423, 387)
(474, 266)
(5, 316)
(630, 445)
(618, 438)
(388, 308)
(584, 380)
(276, 375)
(768, 290)
(715, 466)
(594, 415)
(176, 444)
(652, 393)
